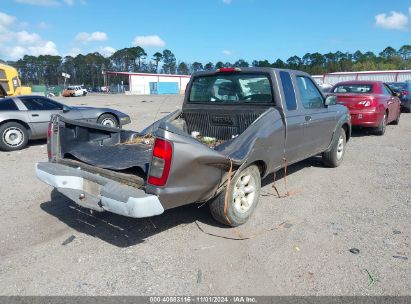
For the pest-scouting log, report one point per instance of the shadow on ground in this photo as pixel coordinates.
(122, 231)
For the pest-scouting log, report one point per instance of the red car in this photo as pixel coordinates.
(371, 103)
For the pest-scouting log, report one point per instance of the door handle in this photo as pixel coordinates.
(35, 115)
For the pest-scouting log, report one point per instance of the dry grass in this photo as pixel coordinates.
(146, 140)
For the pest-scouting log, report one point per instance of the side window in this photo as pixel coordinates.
(8, 105)
(311, 97)
(289, 93)
(385, 90)
(40, 104)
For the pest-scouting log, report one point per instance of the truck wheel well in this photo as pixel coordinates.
(19, 122)
(346, 130)
(262, 167)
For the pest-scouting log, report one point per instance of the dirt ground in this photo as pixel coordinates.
(297, 245)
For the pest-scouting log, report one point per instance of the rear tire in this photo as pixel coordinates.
(335, 156)
(396, 122)
(108, 120)
(242, 199)
(14, 136)
(383, 125)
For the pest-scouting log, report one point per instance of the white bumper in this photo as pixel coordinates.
(107, 194)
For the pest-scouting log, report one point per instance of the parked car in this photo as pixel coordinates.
(237, 125)
(74, 91)
(371, 103)
(404, 88)
(68, 92)
(24, 118)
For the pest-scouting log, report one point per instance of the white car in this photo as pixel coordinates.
(78, 90)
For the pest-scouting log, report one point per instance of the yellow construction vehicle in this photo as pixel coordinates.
(10, 81)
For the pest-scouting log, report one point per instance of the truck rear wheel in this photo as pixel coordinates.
(242, 198)
(335, 156)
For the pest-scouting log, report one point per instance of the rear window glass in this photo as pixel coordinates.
(231, 88)
(353, 88)
(7, 104)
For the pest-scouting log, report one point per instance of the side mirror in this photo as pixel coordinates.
(66, 109)
(330, 100)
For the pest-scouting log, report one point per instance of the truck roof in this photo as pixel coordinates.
(253, 70)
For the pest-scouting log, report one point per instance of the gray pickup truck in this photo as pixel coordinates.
(236, 126)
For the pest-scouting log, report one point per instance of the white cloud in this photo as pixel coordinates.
(107, 51)
(15, 44)
(73, 52)
(39, 2)
(24, 25)
(227, 52)
(43, 25)
(45, 48)
(27, 38)
(69, 2)
(392, 21)
(90, 37)
(227, 1)
(6, 21)
(149, 41)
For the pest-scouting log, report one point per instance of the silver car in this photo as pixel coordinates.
(24, 118)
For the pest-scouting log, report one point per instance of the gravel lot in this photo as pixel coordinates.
(297, 245)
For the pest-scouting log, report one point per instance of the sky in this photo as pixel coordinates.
(203, 30)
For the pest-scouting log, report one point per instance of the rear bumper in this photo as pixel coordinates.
(98, 193)
(366, 119)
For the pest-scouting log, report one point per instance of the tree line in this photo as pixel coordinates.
(87, 69)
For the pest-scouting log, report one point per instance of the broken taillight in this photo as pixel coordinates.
(160, 162)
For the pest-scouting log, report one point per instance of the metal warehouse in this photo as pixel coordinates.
(386, 76)
(144, 84)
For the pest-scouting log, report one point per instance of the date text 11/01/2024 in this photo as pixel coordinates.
(203, 299)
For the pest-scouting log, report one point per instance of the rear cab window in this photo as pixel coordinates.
(7, 104)
(232, 88)
(354, 88)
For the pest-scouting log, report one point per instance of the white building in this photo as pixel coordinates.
(385, 76)
(144, 84)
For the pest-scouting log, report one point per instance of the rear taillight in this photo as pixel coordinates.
(160, 163)
(49, 131)
(365, 103)
(405, 92)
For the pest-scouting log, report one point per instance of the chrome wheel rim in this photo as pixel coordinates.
(340, 147)
(108, 122)
(13, 137)
(244, 193)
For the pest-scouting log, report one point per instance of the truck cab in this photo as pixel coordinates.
(10, 81)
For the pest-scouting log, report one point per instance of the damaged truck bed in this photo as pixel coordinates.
(235, 127)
